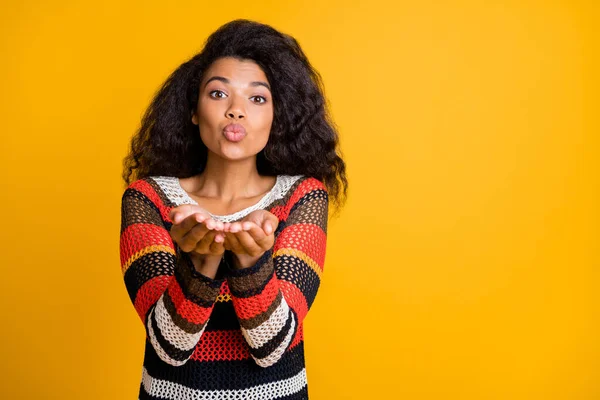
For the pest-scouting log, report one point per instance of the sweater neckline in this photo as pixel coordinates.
(264, 201)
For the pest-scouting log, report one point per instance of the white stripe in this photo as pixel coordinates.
(171, 186)
(159, 350)
(157, 347)
(273, 357)
(260, 335)
(172, 333)
(268, 391)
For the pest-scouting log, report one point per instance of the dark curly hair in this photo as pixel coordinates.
(303, 139)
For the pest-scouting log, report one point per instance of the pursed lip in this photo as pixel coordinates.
(237, 128)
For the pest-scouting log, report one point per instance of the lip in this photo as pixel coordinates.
(236, 128)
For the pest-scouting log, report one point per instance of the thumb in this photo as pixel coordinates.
(268, 228)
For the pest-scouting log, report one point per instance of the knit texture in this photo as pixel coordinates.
(240, 335)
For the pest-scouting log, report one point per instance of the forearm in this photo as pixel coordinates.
(207, 265)
(181, 314)
(241, 261)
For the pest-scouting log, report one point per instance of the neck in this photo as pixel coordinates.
(229, 180)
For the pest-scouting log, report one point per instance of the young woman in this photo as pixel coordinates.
(224, 218)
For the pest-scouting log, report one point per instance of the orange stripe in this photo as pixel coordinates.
(143, 252)
(292, 237)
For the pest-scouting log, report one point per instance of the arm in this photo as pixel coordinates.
(272, 297)
(173, 300)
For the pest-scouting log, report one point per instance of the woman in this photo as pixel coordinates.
(224, 218)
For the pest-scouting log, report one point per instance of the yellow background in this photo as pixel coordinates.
(465, 265)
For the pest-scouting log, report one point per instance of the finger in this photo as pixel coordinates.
(193, 236)
(248, 243)
(177, 214)
(212, 223)
(257, 233)
(220, 237)
(203, 245)
(233, 243)
(216, 248)
(273, 222)
(268, 227)
(226, 244)
(181, 229)
(235, 227)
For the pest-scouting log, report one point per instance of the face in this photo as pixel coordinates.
(234, 92)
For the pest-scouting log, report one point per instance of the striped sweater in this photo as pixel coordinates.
(239, 335)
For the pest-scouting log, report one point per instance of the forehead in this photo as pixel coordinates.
(235, 69)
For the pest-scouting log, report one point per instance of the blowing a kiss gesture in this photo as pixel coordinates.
(197, 233)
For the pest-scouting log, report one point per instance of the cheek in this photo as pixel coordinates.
(265, 118)
(205, 112)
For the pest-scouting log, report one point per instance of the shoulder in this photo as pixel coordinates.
(302, 187)
(150, 189)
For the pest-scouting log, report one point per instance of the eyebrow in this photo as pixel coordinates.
(225, 80)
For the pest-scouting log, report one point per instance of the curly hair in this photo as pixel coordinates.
(303, 139)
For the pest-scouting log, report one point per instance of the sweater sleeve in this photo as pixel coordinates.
(172, 299)
(272, 297)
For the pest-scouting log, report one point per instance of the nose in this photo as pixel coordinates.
(235, 109)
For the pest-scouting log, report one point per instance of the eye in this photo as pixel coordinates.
(216, 91)
(264, 100)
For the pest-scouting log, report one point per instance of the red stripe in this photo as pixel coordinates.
(149, 293)
(295, 237)
(306, 186)
(147, 189)
(221, 346)
(187, 309)
(250, 307)
(295, 299)
(136, 237)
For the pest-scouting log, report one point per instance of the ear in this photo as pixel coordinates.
(194, 119)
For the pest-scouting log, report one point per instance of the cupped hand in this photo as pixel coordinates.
(196, 232)
(252, 236)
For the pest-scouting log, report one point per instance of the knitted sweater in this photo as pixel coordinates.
(239, 335)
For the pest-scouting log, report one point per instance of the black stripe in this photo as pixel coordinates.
(244, 294)
(187, 293)
(269, 347)
(313, 194)
(295, 270)
(223, 317)
(223, 375)
(172, 351)
(146, 267)
(265, 258)
(133, 217)
(301, 395)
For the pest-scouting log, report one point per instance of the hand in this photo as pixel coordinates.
(251, 237)
(195, 232)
